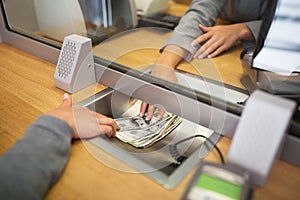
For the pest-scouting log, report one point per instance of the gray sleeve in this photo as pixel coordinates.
(254, 27)
(200, 12)
(36, 161)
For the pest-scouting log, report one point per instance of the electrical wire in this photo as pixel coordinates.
(180, 158)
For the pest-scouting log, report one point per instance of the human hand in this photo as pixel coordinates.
(166, 73)
(217, 39)
(84, 122)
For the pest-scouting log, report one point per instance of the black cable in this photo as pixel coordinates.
(180, 158)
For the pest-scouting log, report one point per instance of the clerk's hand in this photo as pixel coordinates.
(166, 73)
(217, 39)
(84, 122)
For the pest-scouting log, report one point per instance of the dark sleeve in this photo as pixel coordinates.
(36, 161)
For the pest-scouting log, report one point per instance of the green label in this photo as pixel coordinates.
(219, 186)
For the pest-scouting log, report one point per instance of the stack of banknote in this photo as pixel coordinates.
(140, 133)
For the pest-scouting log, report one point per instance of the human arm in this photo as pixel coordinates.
(254, 27)
(178, 46)
(200, 12)
(84, 122)
(36, 161)
(217, 39)
(245, 18)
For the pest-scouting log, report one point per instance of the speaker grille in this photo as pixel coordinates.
(67, 58)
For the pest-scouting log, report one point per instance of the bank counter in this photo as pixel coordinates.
(27, 90)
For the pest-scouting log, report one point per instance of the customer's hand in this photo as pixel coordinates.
(85, 122)
(217, 39)
(164, 68)
(161, 71)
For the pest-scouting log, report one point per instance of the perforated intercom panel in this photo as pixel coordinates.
(75, 66)
(67, 60)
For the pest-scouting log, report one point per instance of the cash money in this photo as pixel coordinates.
(140, 133)
(137, 122)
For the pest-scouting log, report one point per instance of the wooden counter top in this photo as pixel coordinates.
(27, 90)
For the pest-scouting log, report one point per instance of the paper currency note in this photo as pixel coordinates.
(139, 133)
(137, 122)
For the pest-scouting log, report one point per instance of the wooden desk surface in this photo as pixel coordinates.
(139, 49)
(27, 90)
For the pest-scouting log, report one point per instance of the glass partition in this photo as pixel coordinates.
(117, 38)
(55, 19)
(124, 61)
